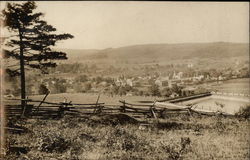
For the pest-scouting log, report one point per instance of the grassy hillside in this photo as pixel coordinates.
(121, 137)
(162, 52)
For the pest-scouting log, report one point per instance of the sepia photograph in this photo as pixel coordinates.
(124, 80)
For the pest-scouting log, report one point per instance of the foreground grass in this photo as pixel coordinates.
(121, 137)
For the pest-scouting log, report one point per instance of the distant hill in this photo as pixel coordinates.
(162, 52)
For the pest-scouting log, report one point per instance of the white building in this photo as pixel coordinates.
(129, 82)
(190, 65)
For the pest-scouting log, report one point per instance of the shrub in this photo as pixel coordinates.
(244, 112)
(123, 140)
(43, 89)
(175, 151)
(51, 142)
(220, 126)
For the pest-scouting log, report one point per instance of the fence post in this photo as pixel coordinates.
(163, 112)
(124, 106)
(153, 113)
(37, 109)
(61, 111)
(24, 108)
(152, 110)
(97, 109)
(28, 109)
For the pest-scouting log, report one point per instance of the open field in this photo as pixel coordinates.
(226, 104)
(121, 137)
(235, 86)
(91, 98)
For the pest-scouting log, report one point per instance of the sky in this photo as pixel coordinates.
(100, 25)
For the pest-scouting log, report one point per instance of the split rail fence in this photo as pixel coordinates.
(42, 108)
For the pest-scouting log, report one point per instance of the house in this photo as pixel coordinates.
(178, 75)
(129, 82)
(214, 78)
(70, 81)
(129, 94)
(190, 65)
(162, 81)
(136, 83)
(173, 95)
(158, 82)
(186, 80)
(118, 82)
(188, 91)
(198, 78)
(165, 83)
(170, 84)
(208, 77)
(175, 75)
(220, 78)
(103, 84)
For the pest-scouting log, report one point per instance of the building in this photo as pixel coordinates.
(178, 75)
(188, 91)
(190, 65)
(198, 78)
(158, 82)
(162, 81)
(129, 82)
(173, 95)
(165, 83)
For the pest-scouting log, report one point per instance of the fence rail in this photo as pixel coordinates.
(59, 109)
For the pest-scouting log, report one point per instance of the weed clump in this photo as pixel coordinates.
(175, 151)
(244, 112)
(52, 142)
(118, 119)
(120, 139)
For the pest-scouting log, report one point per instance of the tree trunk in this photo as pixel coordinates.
(22, 71)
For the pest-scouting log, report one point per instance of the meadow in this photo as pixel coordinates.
(92, 98)
(122, 137)
(222, 103)
(119, 136)
(241, 86)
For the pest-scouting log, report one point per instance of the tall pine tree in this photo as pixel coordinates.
(30, 41)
